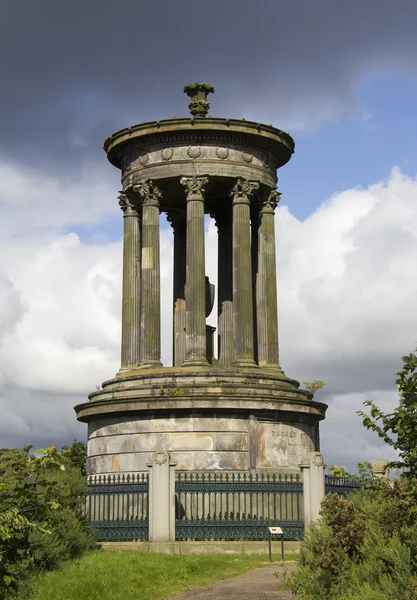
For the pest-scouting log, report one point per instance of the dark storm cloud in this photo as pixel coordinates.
(73, 72)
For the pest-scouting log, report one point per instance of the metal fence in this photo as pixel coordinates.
(341, 485)
(118, 506)
(237, 506)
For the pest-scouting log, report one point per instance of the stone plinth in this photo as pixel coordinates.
(220, 419)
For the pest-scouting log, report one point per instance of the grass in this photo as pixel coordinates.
(132, 575)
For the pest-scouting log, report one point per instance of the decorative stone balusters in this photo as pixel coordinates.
(242, 274)
(131, 283)
(195, 290)
(150, 346)
(177, 218)
(266, 284)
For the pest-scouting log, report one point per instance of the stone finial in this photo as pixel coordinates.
(198, 93)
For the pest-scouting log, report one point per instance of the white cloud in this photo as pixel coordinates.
(347, 297)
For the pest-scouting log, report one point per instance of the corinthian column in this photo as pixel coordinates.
(223, 220)
(242, 274)
(131, 284)
(266, 285)
(195, 289)
(150, 346)
(178, 221)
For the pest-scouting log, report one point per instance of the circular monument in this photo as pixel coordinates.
(236, 412)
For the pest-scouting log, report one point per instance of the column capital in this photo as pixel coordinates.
(195, 188)
(127, 205)
(269, 204)
(148, 191)
(243, 190)
(177, 218)
(221, 217)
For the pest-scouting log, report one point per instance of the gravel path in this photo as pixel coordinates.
(254, 585)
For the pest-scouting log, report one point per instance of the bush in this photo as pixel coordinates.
(42, 520)
(364, 548)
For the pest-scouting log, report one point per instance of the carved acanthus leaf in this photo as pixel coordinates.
(126, 204)
(148, 191)
(243, 190)
(271, 202)
(195, 187)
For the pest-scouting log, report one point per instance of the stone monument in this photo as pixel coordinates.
(239, 412)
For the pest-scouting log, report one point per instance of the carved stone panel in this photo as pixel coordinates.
(282, 444)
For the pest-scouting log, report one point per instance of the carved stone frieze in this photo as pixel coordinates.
(222, 152)
(194, 151)
(145, 156)
(247, 157)
(167, 153)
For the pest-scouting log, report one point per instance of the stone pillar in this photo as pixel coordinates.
(225, 287)
(131, 284)
(379, 468)
(243, 331)
(266, 285)
(313, 487)
(178, 222)
(150, 346)
(195, 289)
(161, 498)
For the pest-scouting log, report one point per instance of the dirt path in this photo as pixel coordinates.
(254, 585)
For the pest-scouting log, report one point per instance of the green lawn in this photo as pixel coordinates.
(132, 575)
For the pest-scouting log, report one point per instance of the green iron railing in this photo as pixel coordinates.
(340, 485)
(238, 506)
(117, 506)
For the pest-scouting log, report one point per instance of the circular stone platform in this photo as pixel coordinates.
(220, 419)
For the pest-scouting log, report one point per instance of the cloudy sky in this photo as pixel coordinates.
(341, 77)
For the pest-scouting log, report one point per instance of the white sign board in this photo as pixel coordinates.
(275, 530)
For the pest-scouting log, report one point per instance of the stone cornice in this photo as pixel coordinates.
(164, 131)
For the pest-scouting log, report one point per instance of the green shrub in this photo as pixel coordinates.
(42, 519)
(364, 548)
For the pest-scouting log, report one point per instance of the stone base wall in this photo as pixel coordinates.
(198, 443)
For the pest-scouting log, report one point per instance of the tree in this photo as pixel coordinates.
(399, 428)
(77, 455)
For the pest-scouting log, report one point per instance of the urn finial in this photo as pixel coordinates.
(198, 93)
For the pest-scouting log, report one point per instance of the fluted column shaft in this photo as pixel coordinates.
(225, 288)
(195, 290)
(242, 275)
(266, 285)
(131, 284)
(178, 222)
(150, 346)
